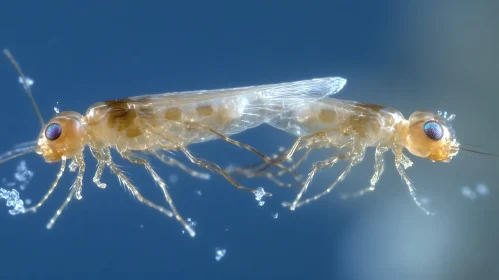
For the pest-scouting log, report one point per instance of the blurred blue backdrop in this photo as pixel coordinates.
(411, 55)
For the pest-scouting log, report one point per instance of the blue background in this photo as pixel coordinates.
(410, 55)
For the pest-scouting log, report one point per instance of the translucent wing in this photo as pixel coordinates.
(294, 92)
(228, 111)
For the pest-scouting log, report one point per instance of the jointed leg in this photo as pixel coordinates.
(298, 145)
(137, 160)
(213, 167)
(79, 163)
(298, 162)
(79, 178)
(340, 178)
(315, 167)
(379, 167)
(51, 223)
(262, 167)
(128, 184)
(173, 162)
(242, 145)
(289, 154)
(101, 163)
(302, 142)
(401, 163)
(51, 189)
(104, 156)
(251, 174)
(273, 176)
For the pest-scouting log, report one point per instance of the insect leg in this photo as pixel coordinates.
(79, 178)
(242, 145)
(173, 162)
(296, 147)
(213, 167)
(353, 162)
(315, 167)
(298, 162)
(251, 174)
(402, 162)
(51, 189)
(75, 188)
(128, 184)
(272, 176)
(248, 171)
(138, 160)
(281, 159)
(51, 223)
(379, 167)
(101, 163)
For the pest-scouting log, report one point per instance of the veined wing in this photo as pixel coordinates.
(294, 92)
(230, 111)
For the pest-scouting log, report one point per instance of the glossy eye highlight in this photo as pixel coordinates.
(53, 131)
(433, 130)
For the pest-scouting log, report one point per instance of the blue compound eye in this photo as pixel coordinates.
(433, 130)
(53, 131)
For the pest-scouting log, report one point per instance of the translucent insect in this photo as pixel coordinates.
(157, 124)
(351, 127)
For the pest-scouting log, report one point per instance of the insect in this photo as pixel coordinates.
(351, 127)
(157, 124)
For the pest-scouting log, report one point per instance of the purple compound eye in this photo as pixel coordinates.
(53, 131)
(433, 130)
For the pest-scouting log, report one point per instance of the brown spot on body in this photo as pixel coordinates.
(123, 114)
(120, 113)
(365, 119)
(173, 114)
(204, 110)
(134, 131)
(222, 117)
(358, 125)
(327, 116)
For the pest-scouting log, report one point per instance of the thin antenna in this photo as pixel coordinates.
(26, 85)
(17, 152)
(477, 152)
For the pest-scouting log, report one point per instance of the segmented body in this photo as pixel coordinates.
(138, 123)
(368, 124)
(351, 127)
(155, 124)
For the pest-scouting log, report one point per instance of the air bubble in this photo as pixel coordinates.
(219, 253)
(13, 200)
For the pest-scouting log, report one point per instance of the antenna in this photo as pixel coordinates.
(26, 86)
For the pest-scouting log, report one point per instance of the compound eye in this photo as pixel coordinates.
(53, 131)
(433, 130)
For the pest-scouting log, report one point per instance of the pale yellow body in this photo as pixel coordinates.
(368, 125)
(351, 127)
(153, 124)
